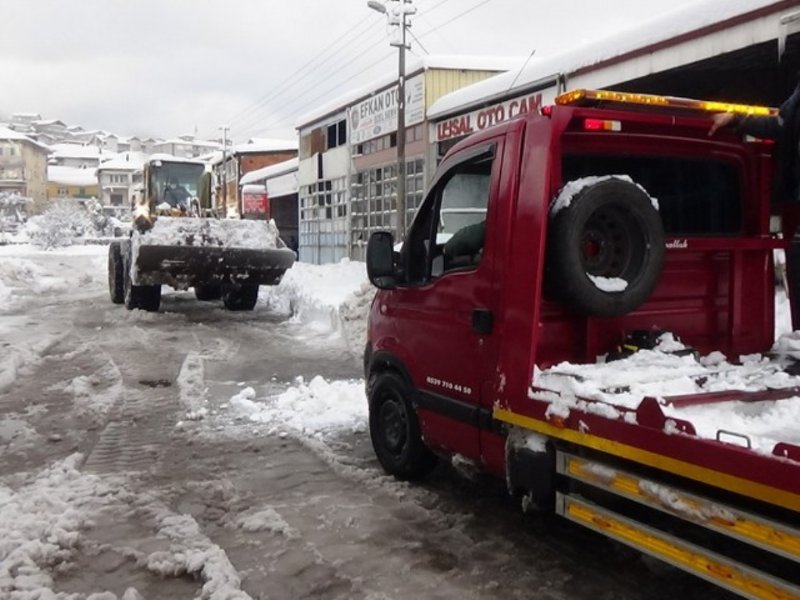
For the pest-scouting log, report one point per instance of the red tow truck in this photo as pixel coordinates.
(557, 238)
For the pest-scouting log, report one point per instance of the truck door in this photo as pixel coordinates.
(444, 312)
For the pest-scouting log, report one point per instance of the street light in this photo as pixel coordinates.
(397, 13)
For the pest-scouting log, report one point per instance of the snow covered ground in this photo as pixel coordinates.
(196, 453)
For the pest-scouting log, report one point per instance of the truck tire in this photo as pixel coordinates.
(207, 293)
(144, 297)
(116, 283)
(609, 230)
(240, 297)
(394, 429)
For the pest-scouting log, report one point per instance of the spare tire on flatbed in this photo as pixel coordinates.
(605, 247)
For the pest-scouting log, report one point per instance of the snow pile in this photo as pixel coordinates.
(314, 409)
(41, 525)
(266, 519)
(191, 552)
(192, 387)
(660, 374)
(326, 298)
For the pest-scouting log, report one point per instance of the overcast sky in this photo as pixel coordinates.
(169, 67)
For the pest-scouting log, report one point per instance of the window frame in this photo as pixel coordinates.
(430, 209)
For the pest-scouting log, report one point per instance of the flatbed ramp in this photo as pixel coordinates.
(706, 479)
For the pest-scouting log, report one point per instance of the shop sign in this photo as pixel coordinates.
(481, 119)
(377, 116)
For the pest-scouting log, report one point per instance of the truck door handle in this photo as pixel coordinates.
(482, 321)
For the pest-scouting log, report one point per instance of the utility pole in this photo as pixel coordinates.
(225, 129)
(397, 14)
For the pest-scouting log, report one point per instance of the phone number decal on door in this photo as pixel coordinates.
(448, 385)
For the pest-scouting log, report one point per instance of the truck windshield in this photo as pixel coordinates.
(176, 183)
(698, 197)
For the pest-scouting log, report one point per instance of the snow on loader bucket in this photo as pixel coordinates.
(225, 259)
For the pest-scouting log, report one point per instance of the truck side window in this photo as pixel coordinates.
(448, 232)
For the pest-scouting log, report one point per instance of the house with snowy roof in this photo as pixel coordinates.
(116, 178)
(238, 160)
(23, 166)
(79, 183)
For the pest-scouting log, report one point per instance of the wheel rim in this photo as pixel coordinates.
(610, 243)
(393, 425)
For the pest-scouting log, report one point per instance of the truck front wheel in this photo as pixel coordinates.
(241, 297)
(394, 429)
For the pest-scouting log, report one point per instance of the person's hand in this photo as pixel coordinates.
(720, 120)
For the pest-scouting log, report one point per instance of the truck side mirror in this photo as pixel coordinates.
(380, 260)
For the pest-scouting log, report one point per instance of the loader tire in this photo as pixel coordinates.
(610, 231)
(116, 283)
(144, 297)
(240, 297)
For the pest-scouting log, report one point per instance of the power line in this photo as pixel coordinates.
(454, 19)
(282, 85)
(247, 122)
(300, 109)
(252, 124)
(253, 121)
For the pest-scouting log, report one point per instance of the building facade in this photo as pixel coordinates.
(23, 167)
(72, 182)
(281, 184)
(237, 161)
(348, 168)
(116, 179)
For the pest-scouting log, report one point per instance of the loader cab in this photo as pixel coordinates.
(173, 185)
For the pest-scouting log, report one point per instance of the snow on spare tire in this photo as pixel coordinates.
(605, 245)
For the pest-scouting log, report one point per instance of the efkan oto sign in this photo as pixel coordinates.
(377, 115)
(486, 117)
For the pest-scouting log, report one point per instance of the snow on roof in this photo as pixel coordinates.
(275, 170)
(662, 28)
(171, 158)
(71, 176)
(67, 150)
(128, 161)
(424, 63)
(266, 145)
(45, 122)
(10, 134)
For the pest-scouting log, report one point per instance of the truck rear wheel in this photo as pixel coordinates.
(116, 283)
(241, 297)
(606, 249)
(144, 297)
(394, 429)
(206, 293)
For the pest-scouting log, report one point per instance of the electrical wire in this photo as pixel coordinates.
(306, 69)
(299, 110)
(254, 125)
(454, 19)
(360, 50)
(289, 101)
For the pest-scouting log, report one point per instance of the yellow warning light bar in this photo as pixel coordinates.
(581, 96)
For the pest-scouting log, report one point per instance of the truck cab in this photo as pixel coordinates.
(553, 238)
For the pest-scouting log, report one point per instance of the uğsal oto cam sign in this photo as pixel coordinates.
(478, 120)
